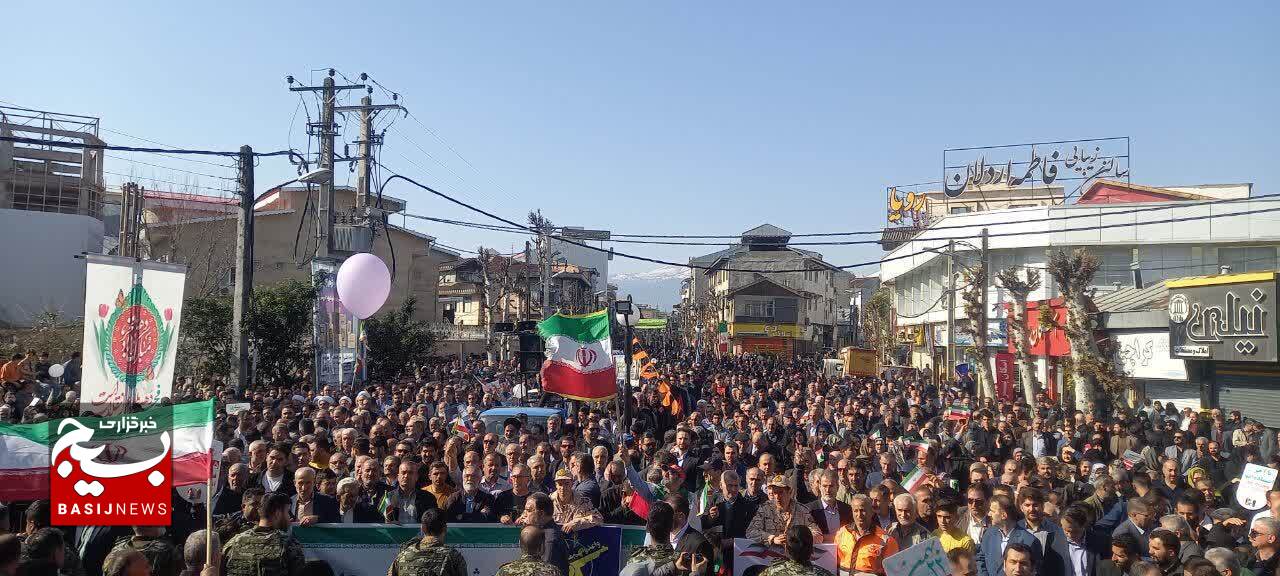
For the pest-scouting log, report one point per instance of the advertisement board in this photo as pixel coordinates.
(1230, 317)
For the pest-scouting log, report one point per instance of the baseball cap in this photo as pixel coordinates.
(778, 481)
(563, 474)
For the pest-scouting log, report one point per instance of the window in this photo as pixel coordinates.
(959, 209)
(1248, 258)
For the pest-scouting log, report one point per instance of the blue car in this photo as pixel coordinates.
(493, 418)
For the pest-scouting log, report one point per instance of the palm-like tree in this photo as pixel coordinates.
(1020, 289)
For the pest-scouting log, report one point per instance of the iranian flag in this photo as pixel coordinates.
(579, 362)
(24, 448)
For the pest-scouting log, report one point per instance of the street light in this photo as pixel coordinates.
(627, 318)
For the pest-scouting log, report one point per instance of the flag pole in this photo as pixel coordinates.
(208, 514)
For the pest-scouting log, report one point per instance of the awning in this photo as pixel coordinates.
(651, 324)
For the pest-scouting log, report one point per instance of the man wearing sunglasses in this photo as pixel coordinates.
(1265, 539)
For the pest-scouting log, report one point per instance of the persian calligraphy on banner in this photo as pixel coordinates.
(923, 559)
(132, 311)
(1045, 163)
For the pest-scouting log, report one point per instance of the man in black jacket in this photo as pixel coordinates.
(311, 507)
(228, 499)
(471, 504)
(687, 539)
(405, 500)
(539, 511)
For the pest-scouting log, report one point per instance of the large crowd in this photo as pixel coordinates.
(742, 447)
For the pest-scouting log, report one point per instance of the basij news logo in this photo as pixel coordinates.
(113, 471)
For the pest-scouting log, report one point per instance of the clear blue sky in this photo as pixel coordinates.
(678, 117)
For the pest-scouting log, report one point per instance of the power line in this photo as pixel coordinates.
(139, 177)
(163, 144)
(89, 146)
(161, 166)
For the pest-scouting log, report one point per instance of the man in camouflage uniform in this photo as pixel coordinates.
(244, 519)
(164, 557)
(266, 549)
(781, 512)
(532, 541)
(647, 560)
(799, 548)
(429, 556)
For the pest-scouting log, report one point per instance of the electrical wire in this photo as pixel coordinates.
(163, 167)
(89, 146)
(170, 182)
(841, 267)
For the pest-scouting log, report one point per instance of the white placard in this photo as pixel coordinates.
(1254, 483)
(1146, 355)
(923, 559)
(238, 407)
(132, 311)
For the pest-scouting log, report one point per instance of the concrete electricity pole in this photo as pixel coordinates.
(951, 309)
(368, 139)
(244, 270)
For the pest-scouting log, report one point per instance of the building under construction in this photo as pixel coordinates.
(48, 178)
(50, 210)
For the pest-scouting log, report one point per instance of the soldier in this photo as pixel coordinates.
(429, 556)
(266, 549)
(244, 519)
(532, 541)
(164, 557)
(647, 560)
(770, 524)
(799, 547)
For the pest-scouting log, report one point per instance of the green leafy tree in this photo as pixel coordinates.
(279, 324)
(204, 340)
(397, 344)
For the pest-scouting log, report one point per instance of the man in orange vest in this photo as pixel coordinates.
(862, 546)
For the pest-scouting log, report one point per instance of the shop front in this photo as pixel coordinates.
(1143, 355)
(763, 338)
(1047, 343)
(1225, 326)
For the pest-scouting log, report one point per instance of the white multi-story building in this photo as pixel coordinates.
(1164, 233)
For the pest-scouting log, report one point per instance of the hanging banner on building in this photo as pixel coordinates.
(132, 310)
(369, 549)
(1046, 339)
(333, 329)
(1231, 317)
(1146, 355)
(1004, 376)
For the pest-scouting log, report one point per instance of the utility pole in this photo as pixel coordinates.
(546, 272)
(127, 191)
(244, 270)
(368, 140)
(326, 201)
(982, 320)
(951, 309)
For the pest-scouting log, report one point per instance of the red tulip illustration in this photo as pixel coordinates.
(168, 314)
(103, 310)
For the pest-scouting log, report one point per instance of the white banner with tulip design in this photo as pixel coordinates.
(132, 310)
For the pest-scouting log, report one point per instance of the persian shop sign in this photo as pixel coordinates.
(1229, 317)
(761, 329)
(1044, 163)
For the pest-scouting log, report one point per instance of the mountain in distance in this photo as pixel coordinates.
(658, 287)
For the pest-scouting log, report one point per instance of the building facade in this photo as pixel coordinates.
(790, 311)
(201, 233)
(1142, 236)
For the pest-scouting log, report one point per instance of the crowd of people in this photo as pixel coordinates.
(742, 447)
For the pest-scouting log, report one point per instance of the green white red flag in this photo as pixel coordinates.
(24, 448)
(579, 362)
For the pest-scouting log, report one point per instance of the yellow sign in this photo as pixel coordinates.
(914, 207)
(859, 362)
(761, 329)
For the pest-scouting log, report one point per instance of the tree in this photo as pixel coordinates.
(976, 282)
(1020, 289)
(279, 324)
(877, 322)
(397, 344)
(1074, 274)
(544, 228)
(204, 341)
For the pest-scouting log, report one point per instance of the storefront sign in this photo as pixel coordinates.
(761, 329)
(997, 334)
(1046, 340)
(1230, 317)
(1146, 355)
(908, 209)
(1042, 163)
(1004, 376)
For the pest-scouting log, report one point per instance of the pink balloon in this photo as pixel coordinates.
(363, 284)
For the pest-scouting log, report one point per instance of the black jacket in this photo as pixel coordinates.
(325, 507)
(820, 517)
(733, 520)
(693, 542)
(227, 501)
(483, 507)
